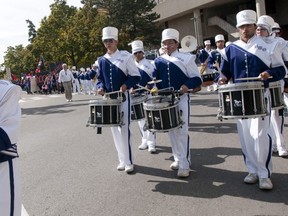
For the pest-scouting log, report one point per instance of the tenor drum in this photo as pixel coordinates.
(162, 113)
(105, 112)
(277, 101)
(242, 100)
(137, 111)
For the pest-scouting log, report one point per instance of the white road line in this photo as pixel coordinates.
(23, 211)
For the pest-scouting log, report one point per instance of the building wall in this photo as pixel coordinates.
(178, 14)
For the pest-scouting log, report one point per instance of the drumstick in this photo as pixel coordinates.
(143, 87)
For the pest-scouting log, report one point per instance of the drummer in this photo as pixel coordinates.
(250, 56)
(118, 72)
(264, 30)
(146, 69)
(178, 70)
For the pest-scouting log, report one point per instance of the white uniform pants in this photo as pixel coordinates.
(256, 145)
(10, 188)
(122, 136)
(179, 137)
(276, 128)
(76, 86)
(147, 136)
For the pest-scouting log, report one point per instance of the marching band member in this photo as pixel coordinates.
(264, 30)
(203, 57)
(146, 71)
(178, 70)
(82, 80)
(93, 76)
(66, 78)
(250, 56)
(88, 81)
(76, 84)
(118, 72)
(214, 60)
(10, 187)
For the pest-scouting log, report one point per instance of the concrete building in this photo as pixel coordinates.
(206, 18)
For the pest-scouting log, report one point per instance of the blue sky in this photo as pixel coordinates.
(13, 27)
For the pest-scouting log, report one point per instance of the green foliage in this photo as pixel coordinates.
(73, 35)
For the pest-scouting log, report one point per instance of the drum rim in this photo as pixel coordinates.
(241, 86)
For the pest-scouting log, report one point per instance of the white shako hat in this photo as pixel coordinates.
(73, 67)
(109, 33)
(276, 27)
(170, 34)
(219, 37)
(266, 22)
(137, 46)
(207, 42)
(245, 17)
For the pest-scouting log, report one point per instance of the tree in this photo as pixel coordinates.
(31, 30)
(133, 18)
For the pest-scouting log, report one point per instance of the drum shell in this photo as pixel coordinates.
(137, 110)
(242, 100)
(277, 100)
(162, 114)
(104, 112)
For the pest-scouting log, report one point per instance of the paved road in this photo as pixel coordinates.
(69, 170)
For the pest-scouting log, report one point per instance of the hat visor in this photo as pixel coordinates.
(109, 37)
(137, 50)
(169, 38)
(245, 23)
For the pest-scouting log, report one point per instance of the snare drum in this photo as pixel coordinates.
(137, 111)
(104, 112)
(208, 79)
(162, 113)
(242, 100)
(277, 101)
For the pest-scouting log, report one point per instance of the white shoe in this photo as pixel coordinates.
(129, 168)
(274, 148)
(143, 146)
(251, 178)
(282, 152)
(151, 149)
(265, 184)
(174, 165)
(183, 173)
(120, 167)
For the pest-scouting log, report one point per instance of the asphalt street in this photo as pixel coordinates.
(69, 170)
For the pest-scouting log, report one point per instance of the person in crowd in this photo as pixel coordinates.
(178, 71)
(264, 30)
(118, 72)
(10, 184)
(146, 70)
(250, 56)
(66, 78)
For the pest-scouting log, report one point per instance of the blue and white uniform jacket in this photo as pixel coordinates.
(176, 70)
(10, 114)
(115, 70)
(203, 55)
(249, 59)
(146, 70)
(214, 57)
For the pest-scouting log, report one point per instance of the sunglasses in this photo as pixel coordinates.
(137, 52)
(108, 41)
